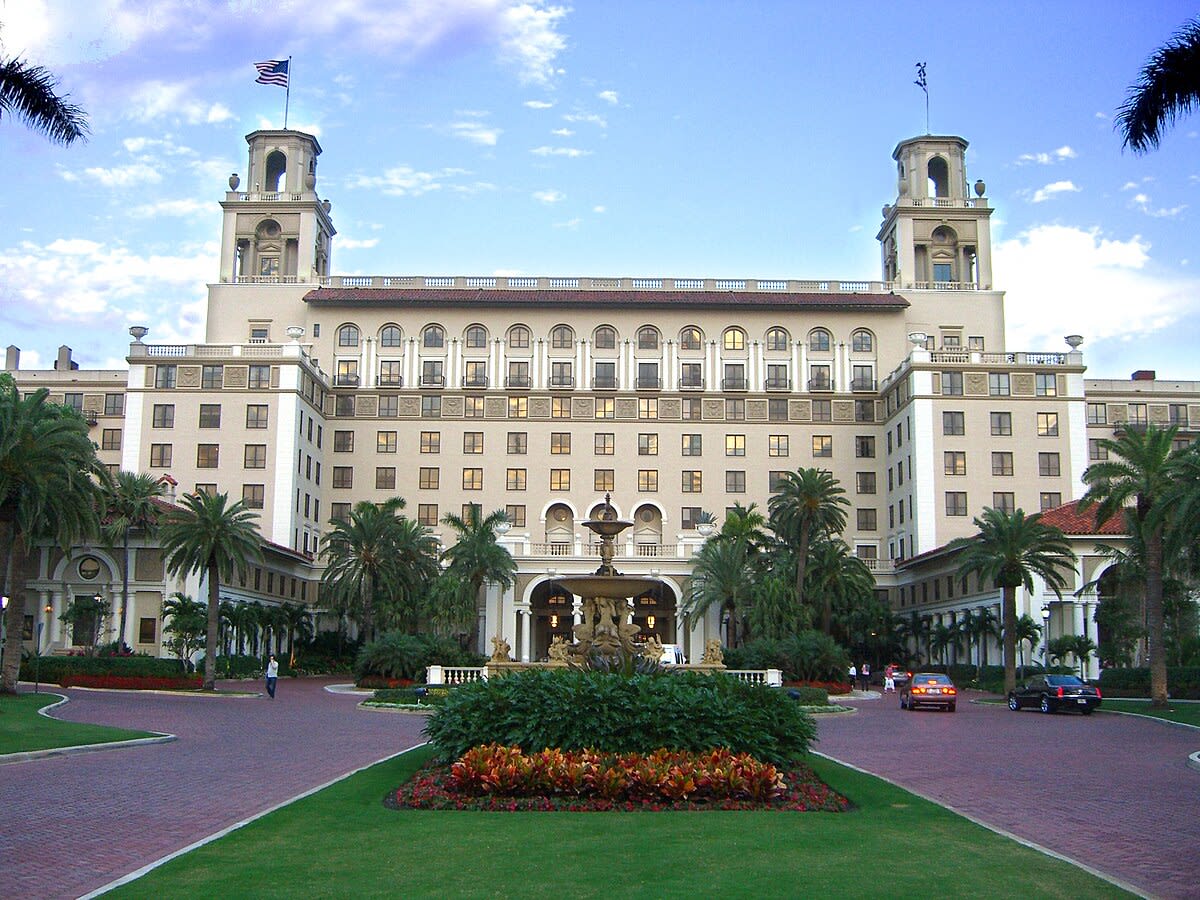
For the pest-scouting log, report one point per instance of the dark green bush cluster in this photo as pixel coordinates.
(52, 668)
(1183, 682)
(423, 694)
(398, 655)
(809, 696)
(808, 656)
(576, 710)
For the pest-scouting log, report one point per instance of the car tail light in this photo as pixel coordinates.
(949, 690)
(1060, 692)
(1097, 693)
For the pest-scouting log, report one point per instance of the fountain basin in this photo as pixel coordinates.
(616, 587)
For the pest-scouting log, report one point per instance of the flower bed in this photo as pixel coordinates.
(832, 687)
(134, 682)
(499, 778)
(378, 682)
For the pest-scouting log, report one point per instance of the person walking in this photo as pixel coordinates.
(272, 675)
(865, 674)
(853, 676)
(889, 679)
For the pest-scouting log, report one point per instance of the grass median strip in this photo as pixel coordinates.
(347, 844)
(23, 729)
(1186, 713)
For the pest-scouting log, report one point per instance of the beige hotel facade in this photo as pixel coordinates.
(540, 395)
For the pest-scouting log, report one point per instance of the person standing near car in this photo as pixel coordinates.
(272, 675)
(865, 674)
(889, 679)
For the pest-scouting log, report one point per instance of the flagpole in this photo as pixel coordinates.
(287, 97)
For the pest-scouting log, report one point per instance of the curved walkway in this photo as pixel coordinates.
(1112, 792)
(74, 823)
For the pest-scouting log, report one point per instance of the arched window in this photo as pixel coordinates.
(562, 337)
(433, 336)
(348, 336)
(734, 339)
(820, 340)
(939, 178)
(276, 169)
(518, 337)
(647, 338)
(390, 336)
(862, 341)
(777, 338)
(476, 337)
(691, 338)
(605, 338)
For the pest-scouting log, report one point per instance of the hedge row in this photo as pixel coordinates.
(1183, 682)
(134, 682)
(52, 669)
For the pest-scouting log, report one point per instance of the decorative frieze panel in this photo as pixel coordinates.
(669, 409)
(410, 407)
(366, 405)
(714, 410)
(976, 384)
(189, 377)
(800, 410)
(539, 407)
(1023, 384)
(495, 407)
(626, 408)
(583, 407)
(452, 407)
(1158, 413)
(236, 376)
(843, 410)
(756, 410)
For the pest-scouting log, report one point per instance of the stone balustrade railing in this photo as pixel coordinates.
(455, 675)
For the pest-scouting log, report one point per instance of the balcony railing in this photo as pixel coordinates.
(475, 381)
(562, 382)
(648, 383)
(691, 384)
(862, 384)
(779, 384)
(734, 384)
(604, 383)
(820, 384)
(346, 381)
(517, 381)
(429, 380)
(391, 381)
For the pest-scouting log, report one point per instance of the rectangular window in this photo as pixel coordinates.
(777, 410)
(518, 443)
(1047, 424)
(343, 441)
(647, 445)
(689, 517)
(691, 409)
(473, 442)
(256, 415)
(518, 407)
(647, 407)
(647, 480)
(822, 410)
(427, 514)
(998, 384)
(735, 445)
(208, 456)
(864, 410)
(339, 512)
(560, 375)
(560, 443)
(605, 377)
(953, 423)
(604, 479)
(735, 410)
(647, 376)
(255, 456)
(1137, 414)
(1049, 500)
(690, 376)
(1001, 424)
(864, 447)
(868, 519)
(1177, 415)
(1049, 464)
(390, 373)
(1097, 414)
(691, 445)
(604, 443)
(955, 462)
(1002, 463)
(472, 407)
(822, 445)
(952, 384)
(956, 503)
(429, 478)
(560, 407)
(692, 481)
(864, 482)
(114, 404)
(472, 479)
(820, 378)
(431, 407)
(515, 513)
(160, 455)
(164, 376)
(1096, 449)
(862, 378)
(560, 479)
(431, 442)
(163, 415)
(518, 375)
(389, 408)
(514, 480)
(147, 630)
(254, 495)
(259, 377)
(344, 405)
(777, 445)
(735, 481)
(385, 442)
(1005, 501)
(775, 479)
(343, 476)
(1046, 384)
(431, 373)
(606, 408)
(110, 439)
(735, 377)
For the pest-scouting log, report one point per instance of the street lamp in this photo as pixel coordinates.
(1045, 637)
(37, 650)
(3, 622)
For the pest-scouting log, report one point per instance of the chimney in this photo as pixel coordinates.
(12, 358)
(64, 363)
(1143, 375)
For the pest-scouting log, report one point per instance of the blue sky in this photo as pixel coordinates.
(691, 139)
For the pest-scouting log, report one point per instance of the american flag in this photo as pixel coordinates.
(273, 71)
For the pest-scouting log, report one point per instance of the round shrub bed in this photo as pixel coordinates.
(608, 712)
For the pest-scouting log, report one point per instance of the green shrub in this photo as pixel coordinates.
(808, 656)
(397, 655)
(53, 668)
(422, 695)
(575, 710)
(809, 696)
(1183, 682)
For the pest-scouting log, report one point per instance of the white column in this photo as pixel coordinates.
(581, 373)
(526, 628)
(56, 626)
(368, 377)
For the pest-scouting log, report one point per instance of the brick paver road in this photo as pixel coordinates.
(74, 823)
(1113, 792)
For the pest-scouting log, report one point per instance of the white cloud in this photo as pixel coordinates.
(1045, 159)
(1129, 186)
(1141, 202)
(538, 104)
(567, 132)
(475, 132)
(405, 181)
(1063, 280)
(571, 152)
(184, 208)
(569, 225)
(163, 146)
(599, 209)
(590, 118)
(528, 39)
(609, 97)
(550, 196)
(345, 243)
(118, 176)
(1043, 194)
(156, 100)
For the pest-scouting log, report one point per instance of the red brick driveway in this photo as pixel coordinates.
(1112, 792)
(74, 823)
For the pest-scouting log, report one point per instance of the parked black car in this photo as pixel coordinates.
(1050, 693)
(929, 689)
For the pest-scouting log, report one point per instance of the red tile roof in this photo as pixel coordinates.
(569, 297)
(1071, 521)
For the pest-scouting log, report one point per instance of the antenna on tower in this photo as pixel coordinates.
(923, 84)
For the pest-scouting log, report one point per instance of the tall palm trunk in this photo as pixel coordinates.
(802, 570)
(1008, 615)
(214, 618)
(1154, 617)
(124, 593)
(12, 619)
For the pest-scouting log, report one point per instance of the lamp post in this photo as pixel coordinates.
(1045, 637)
(3, 623)
(37, 650)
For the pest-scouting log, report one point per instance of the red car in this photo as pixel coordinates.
(929, 689)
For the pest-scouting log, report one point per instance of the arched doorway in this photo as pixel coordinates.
(654, 613)
(552, 614)
(1120, 621)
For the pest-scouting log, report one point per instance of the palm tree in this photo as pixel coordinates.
(362, 561)
(808, 504)
(1028, 632)
(843, 583)
(476, 558)
(723, 575)
(129, 506)
(1009, 549)
(941, 638)
(1167, 87)
(50, 488)
(210, 536)
(915, 628)
(28, 92)
(187, 626)
(299, 625)
(416, 549)
(1141, 480)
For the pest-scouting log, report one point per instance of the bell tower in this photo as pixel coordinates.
(277, 230)
(936, 236)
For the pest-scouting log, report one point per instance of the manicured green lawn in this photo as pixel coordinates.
(1188, 713)
(342, 842)
(22, 729)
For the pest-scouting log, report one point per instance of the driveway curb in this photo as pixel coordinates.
(28, 755)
